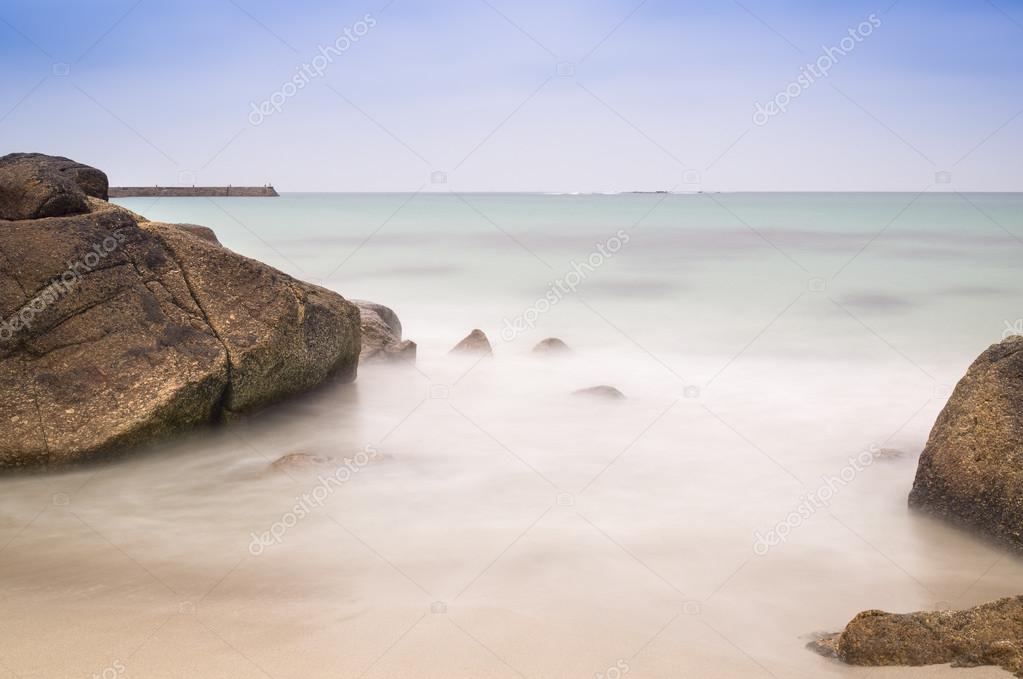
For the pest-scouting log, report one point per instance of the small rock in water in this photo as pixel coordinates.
(402, 351)
(300, 461)
(825, 644)
(381, 335)
(475, 343)
(386, 315)
(551, 345)
(601, 391)
(990, 634)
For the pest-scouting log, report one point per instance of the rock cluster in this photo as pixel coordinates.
(116, 330)
(971, 474)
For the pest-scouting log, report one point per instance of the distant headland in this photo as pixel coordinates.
(267, 191)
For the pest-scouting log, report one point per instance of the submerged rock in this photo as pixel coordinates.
(600, 391)
(381, 335)
(476, 342)
(300, 462)
(115, 331)
(551, 345)
(991, 634)
(971, 471)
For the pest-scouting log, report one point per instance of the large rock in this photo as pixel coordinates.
(117, 330)
(381, 335)
(971, 471)
(33, 186)
(991, 634)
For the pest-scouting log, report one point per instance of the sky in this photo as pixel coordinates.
(531, 95)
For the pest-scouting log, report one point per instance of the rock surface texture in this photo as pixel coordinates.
(115, 331)
(33, 186)
(991, 634)
(204, 232)
(971, 471)
(381, 335)
(475, 342)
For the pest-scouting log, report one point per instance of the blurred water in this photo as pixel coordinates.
(501, 526)
(701, 273)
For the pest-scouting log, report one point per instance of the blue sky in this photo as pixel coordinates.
(530, 95)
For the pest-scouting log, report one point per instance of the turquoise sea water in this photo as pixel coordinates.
(770, 346)
(935, 275)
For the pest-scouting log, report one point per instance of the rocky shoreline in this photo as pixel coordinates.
(971, 475)
(118, 331)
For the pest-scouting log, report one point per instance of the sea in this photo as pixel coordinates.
(783, 358)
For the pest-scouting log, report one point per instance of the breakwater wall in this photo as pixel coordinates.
(192, 191)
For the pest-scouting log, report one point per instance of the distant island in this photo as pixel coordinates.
(661, 193)
(267, 191)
